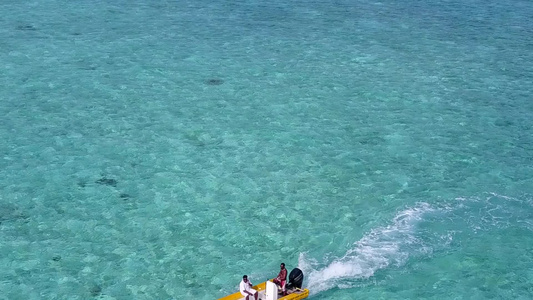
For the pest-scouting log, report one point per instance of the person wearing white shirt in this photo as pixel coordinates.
(246, 288)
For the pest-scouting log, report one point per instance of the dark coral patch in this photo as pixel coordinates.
(107, 181)
(10, 213)
(124, 196)
(214, 81)
(26, 28)
(95, 290)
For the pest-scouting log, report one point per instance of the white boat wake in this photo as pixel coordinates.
(380, 248)
(417, 231)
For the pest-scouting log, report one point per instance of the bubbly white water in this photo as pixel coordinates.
(378, 249)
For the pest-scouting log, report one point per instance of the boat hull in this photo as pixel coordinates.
(260, 288)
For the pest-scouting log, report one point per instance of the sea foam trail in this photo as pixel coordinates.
(417, 231)
(381, 247)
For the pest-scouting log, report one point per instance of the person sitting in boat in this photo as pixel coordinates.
(281, 280)
(246, 288)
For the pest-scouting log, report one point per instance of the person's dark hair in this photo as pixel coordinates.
(245, 276)
(283, 264)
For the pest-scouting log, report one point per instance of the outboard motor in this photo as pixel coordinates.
(296, 279)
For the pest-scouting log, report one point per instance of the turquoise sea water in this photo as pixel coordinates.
(162, 149)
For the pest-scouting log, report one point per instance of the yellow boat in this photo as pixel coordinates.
(261, 289)
(268, 290)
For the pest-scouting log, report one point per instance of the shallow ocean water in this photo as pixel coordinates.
(162, 150)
